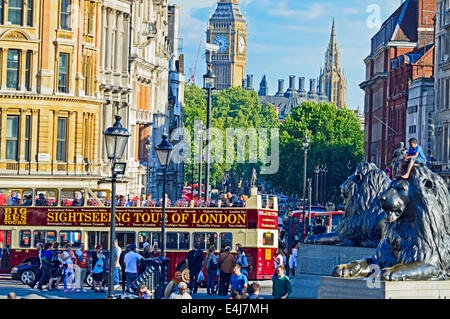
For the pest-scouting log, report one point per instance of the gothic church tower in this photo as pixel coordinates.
(228, 29)
(333, 79)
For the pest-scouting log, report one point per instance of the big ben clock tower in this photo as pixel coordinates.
(228, 29)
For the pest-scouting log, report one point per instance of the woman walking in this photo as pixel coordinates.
(211, 265)
(98, 262)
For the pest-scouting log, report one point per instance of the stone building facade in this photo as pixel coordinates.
(442, 89)
(50, 110)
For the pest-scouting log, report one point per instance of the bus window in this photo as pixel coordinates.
(13, 197)
(183, 240)
(72, 197)
(46, 197)
(3, 195)
(205, 240)
(177, 241)
(149, 237)
(102, 195)
(27, 197)
(226, 239)
(98, 237)
(51, 236)
(199, 239)
(25, 238)
(172, 241)
(67, 236)
(335, 220)
(39, 236)
(268, 239)
(43, 236)
(126, 238)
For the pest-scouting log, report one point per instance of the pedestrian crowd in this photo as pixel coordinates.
(227, 275)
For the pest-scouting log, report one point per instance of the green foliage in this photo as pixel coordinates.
(336, 139)
(231, 108)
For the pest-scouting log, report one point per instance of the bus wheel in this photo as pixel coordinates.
(89, 280)
(27, 277)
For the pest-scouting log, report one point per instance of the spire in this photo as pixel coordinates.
(333, 34)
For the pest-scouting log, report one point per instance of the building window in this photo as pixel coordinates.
(65, 14)
(12, 77)
(87, 79)
(28, 71)
(30, 13)
(15, 12)
(61, 139)
(63, 78)
(412, 129)
(1, 11)
(12, 137)
(27, 138)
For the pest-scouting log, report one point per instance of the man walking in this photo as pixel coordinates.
(116, 257)
(131, 259)
(81, 268)
(194, 261)
(226, 262)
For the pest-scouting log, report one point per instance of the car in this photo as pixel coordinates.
(26, 272)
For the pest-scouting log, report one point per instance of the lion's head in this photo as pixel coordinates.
(418, 221)
(362, 224)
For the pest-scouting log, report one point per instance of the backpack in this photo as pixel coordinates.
(212, 265)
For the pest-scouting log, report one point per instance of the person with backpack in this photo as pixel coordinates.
(56, 270)
(194, 261)
(45, 264)
(68, 259)
(226, 265)
(81, 268)
(99, 267)
(241, 260)
(211, 263)
(122, 266)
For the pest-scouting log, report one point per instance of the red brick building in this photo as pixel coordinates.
(403, 70)
(410, 27)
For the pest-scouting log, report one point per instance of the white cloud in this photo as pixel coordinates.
(282, 9)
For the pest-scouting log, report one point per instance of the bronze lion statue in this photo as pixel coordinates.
(416, 241)
(363, 220)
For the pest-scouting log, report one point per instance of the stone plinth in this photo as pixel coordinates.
(342, 288)
(315, 261)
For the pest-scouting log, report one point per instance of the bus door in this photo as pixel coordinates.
(5, 241)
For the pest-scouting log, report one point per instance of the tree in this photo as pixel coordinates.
(231, 108)
(336, 139)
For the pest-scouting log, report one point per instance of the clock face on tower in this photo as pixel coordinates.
(222, 42)
(241, 44)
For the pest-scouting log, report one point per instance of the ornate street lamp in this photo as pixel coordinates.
(164, 152)
(116, 138)
(209, 82)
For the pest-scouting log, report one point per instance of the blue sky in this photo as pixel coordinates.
(290, 37)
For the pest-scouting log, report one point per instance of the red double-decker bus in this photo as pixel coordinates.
(23, 224)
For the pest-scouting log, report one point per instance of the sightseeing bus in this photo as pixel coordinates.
(330, 219)
(32, 215)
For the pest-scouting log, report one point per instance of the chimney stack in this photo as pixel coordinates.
(249, 81)
(280, 88)
(312, 86)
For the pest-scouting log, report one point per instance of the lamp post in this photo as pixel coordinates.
(148, 147)
(200, 158)
(325, 171)
(116, 138)
(163, 152)
(316, 172)
(305, 145)
(209, 80)
(309, 201)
